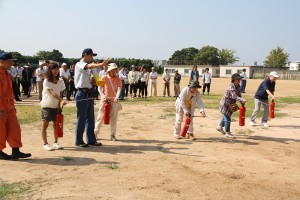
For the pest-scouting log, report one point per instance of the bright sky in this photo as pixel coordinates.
(151, 28)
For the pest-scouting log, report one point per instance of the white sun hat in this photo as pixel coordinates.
(112, 66)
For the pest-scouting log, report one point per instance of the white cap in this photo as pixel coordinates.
(26, 66)
(64, 64)
(112, 66)
(41, 62)
(274, 74)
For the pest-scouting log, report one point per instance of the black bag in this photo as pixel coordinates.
(92, 93)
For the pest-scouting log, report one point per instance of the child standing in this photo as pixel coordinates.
(231, 95)
(51, 103)
(111, 91)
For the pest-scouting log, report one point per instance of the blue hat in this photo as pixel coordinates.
(88, 51)
(6, 56)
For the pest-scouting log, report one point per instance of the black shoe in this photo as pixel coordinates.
(95, 144)
(18, 99)
(82, 145)
(4, 156)
(17, 155)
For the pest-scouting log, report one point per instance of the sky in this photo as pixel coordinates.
(151, 29)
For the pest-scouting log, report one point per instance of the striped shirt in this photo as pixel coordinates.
(231, 95)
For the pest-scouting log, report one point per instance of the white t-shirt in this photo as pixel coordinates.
(153, 75)
(48, 101)
(82, 76)
(244, 75)
(102, 73)
(64, 73)
(206, 77)
(39, 72)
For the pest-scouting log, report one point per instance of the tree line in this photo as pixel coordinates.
(207, 55)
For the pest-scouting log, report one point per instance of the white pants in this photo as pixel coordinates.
(114, 110)
(178, 121)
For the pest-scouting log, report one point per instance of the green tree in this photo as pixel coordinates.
(184, 56)
(19, 57)
(1, 51)
(226, 56)
(207, 55)
(50, 55)
(277, 58)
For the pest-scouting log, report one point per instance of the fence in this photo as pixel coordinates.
(283, 74)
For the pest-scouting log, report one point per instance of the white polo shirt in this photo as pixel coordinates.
(82, 77)
(64, 73)
(207, 77)
(244, 75)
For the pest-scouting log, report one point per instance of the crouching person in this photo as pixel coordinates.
(10, 130)
(110, 92)
(185, 106)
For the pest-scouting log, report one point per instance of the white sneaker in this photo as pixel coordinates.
(57, 146)
(264, 124)
(220, 129)
(47, 147)
(251, 123)
(229, 135)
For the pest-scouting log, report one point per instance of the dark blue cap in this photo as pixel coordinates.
(88, 51)
(6, 56)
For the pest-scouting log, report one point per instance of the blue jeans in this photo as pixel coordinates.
(226, 121)
(85, 118)
(243, 85)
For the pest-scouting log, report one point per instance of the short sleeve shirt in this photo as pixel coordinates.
(261, 92)
(48, 101)
(82, 76)
(207, 77)
(111, 86)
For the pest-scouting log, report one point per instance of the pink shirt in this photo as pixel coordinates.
(109, 92)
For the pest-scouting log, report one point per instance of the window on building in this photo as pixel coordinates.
(228, 71)
(172, 71)
(217, 71)
(186, 71)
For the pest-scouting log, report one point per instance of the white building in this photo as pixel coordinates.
(185, 70)
(294, 65)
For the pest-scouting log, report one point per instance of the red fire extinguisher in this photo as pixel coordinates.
(59, 124)
(272, 109)
(106, 115)
(242, 115)
(186, 126)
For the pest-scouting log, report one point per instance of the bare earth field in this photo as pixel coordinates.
(149, 163)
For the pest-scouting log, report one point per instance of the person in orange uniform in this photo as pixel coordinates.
(10, 130)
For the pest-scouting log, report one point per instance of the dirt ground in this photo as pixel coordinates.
(149, 163)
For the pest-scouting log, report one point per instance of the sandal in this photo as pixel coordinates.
(192, 137)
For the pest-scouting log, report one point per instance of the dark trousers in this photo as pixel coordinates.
(243, 86)
(122, 95)
(126, 89)
(206, 85)
(26, 86)
(66, 91)
(144, 89)
(72, 89)
(133, 89)
(15, 89)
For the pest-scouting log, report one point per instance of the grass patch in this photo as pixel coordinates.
(112, 166)
(288, 100)
(12, 190)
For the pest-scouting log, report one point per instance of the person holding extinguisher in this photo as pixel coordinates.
(51, 103)
(110, 92)
(185, 106)
(266, 88)
(231, 95)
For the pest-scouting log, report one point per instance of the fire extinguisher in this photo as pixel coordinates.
(59, 124)
(242, 115)
(106, 115)
(272, 109)
(186, 126)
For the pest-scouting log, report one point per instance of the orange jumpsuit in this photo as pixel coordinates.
(10, 129)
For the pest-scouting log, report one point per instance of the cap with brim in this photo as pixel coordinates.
(274, 74)
(194, 84)
(88, 51)
(6, 56)
(176, 70)
(64, 64)
(236, 76)
(112, 66)
(26, 66)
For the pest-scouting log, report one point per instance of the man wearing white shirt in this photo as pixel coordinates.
(65, 76)
(206, 81)
(103, 72)
(166, 78)
(122, 76)
(84, 104)
(40, 75)
(244, 81)
(14, 76)
(19, 70)
(153, 77)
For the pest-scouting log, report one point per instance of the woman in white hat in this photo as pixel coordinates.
(109, 92)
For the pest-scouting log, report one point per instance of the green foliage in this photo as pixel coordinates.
(184, 56)
(226, 56)
(277, 58)
(137, 62)
(1, 51)
(50, 55)
(207, 55)
(12, 190)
